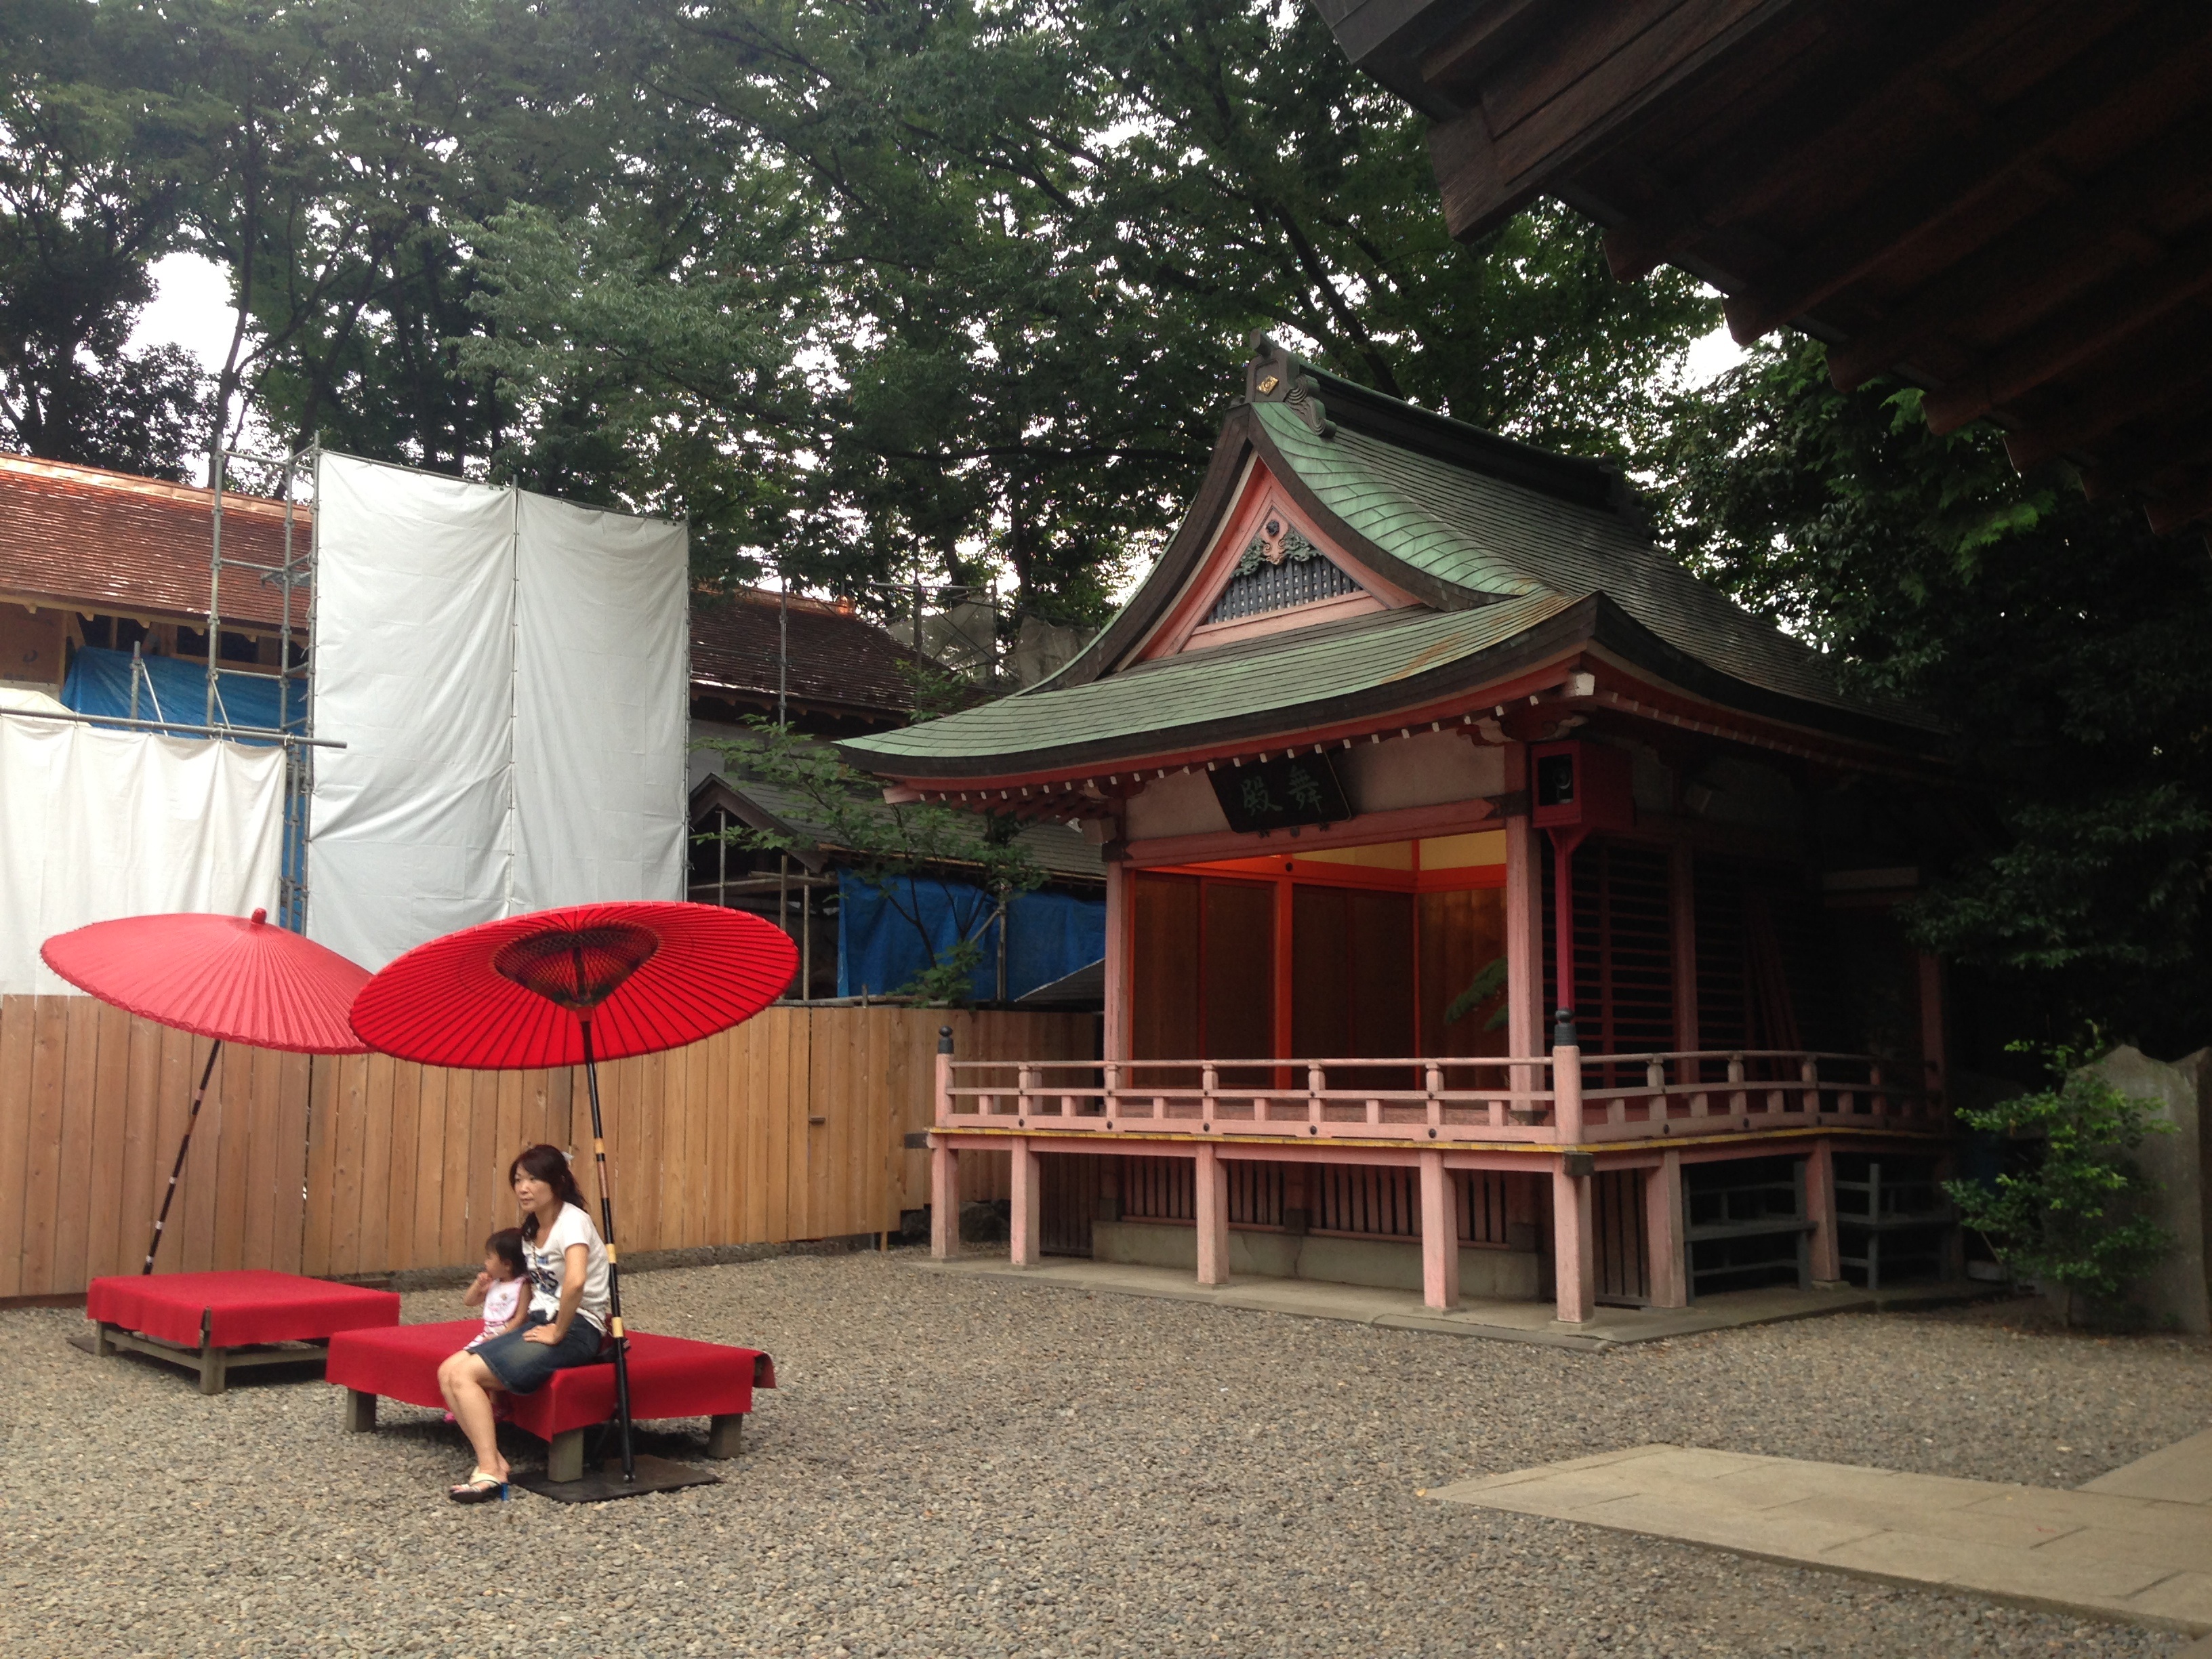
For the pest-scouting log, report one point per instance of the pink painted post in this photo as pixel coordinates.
(1574, 1259)
(1118, 923)
(1027, 1209)
(1820, 1211)
(1524, 926)
(1212, 1218)
(944, 1199)
(1439, 1235)
(1567, 1090)
(1663, 1232)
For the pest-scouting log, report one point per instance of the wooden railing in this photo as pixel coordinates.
(1425, 1100)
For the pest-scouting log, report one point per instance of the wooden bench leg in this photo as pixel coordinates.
(360, 1412)
(211, 1369)
(725, 1435)
(564, 1456)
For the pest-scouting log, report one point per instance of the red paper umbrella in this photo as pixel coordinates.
(587, 983)
(232, 978)
(522, 993)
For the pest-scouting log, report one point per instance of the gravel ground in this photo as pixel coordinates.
(956, 1466)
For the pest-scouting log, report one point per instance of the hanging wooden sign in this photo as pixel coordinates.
(1277, 795)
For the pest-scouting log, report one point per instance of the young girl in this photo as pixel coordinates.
(503, 1286)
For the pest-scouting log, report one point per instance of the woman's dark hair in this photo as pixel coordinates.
(506, 1245)
(550, 1165)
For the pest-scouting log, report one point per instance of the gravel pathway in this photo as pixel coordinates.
(958, 1467)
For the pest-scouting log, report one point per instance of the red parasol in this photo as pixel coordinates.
(587, 984)
(232, 978)
(517, 995)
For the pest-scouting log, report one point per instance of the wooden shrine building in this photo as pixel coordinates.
(1402, 705)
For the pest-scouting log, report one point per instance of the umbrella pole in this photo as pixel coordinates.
(614, 1265)
(183, 1146)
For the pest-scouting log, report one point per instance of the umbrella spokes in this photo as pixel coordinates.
(578, 967)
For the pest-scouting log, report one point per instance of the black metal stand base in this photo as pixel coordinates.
(603, 1485)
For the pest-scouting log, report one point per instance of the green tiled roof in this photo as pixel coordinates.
(1492, 536)
(1495, 539)
(1204, 690)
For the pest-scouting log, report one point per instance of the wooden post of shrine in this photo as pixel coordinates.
(1574, 1253)
(1524, 926)
(1574, 1229)
(943, 1163)
(1663, 1232)
(1212, 1207)
(1439, 1234)
(1820, 1211)
(1027, 1211)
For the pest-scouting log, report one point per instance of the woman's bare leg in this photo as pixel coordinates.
(468, 1385)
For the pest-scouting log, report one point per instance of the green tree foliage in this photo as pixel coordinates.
(91, 186)
(2058, 638)
(2069, 1217)
(899, 850)
(863, 289)
(958, 282)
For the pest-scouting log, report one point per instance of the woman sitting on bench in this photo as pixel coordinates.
(565, 1326)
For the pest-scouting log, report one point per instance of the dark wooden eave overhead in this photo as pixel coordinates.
(2009, 201)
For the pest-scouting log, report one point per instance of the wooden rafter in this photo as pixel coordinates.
(2006, 201)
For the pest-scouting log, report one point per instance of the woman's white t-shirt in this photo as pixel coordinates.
(545, 1256)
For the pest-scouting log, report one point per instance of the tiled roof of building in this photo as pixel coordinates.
(84, 538)
(1503, 545)
(838, 658)
(80, 537)
(1060, 850)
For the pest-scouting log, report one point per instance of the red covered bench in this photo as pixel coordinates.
(213, 1322)
(669, 1377)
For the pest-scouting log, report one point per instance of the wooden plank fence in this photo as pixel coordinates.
(790, 1126)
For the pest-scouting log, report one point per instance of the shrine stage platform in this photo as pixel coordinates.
(1500, 1321)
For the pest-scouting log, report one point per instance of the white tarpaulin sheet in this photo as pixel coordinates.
(508, 674)
(96, 824)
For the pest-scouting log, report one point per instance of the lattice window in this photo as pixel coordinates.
(1624, 978)
(1481, 1200)
(1159, 1190)
(1280, 570)
(1255, 1194)
(1367, 1199)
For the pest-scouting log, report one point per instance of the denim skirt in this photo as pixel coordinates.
(522, 1367)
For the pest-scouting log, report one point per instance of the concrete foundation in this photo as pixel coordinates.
(1382, 1263)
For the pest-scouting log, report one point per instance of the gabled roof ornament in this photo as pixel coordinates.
(1273, 376)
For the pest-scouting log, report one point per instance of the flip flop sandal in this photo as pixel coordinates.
(478, 1488)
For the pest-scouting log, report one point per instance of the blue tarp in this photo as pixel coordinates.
(100, 684)
(1049, 935)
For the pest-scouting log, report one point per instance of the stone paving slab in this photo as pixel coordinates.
(2147, 1560)
(1500, 1321)
(2181, 1474)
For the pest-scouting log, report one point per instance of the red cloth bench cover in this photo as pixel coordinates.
(251, 1304)
(669, 1375)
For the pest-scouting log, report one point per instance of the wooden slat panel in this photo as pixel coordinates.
(266, 1210)
(42, 1172)
(323, 1075)
(401, 1166)
(453, 1212)
(145, 1156)
(18, 1023)
(79, 1093)
(288, 1198)
(111, 1101)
